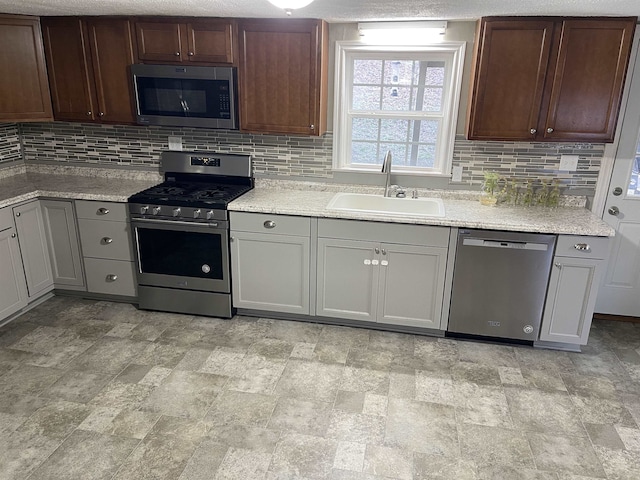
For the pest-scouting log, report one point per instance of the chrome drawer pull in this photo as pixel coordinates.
(269, 224)
(583, 247)
(106, 240)
(103, 211)
(112, 277)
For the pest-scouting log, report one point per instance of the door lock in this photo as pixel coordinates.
(613, 211)
(617, 191)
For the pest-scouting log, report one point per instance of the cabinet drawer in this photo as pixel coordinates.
(266, 223)
(112, 211)
(572, 246)
(6, 218)
(384, 232)
(112, 277)
(105, 239)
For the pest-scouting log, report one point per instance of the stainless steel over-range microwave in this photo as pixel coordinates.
(186, 96)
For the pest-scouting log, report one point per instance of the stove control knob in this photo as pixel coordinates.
(176, 212)
(210, 215)
(144, 210)
(196, 213)
(156, 210)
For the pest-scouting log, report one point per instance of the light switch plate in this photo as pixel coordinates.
(569, 163)
(456, 175)
(175, 143)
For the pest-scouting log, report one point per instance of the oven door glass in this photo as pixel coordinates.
(183, 257)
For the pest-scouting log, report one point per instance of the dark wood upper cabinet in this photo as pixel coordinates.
(112, 50)
(70, 72)
(548, 79)
(283, 76)
(88, 60)
(206, 41)
(24, 87)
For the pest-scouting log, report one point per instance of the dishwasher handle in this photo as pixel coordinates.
(480, 242)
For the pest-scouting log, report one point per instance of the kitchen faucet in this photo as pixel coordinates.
(386, 168)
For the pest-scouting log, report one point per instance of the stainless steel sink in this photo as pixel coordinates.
(389, 206)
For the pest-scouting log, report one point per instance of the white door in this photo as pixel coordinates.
(620, 291)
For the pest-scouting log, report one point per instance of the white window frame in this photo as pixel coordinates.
(452, 53)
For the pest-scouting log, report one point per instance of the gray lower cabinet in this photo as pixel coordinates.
(573, 288)
(13, 287)
(64, 248)
(106, 248)
(270, 260)
(398, 279)
(33, 248)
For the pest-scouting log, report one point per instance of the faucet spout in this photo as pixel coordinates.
(386, 168)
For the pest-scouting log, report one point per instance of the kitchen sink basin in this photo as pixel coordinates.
(389, 206)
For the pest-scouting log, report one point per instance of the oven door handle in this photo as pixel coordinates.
(176, 222)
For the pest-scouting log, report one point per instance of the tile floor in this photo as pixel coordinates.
(99, 390)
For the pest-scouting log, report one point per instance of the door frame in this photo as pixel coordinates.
(611, 149)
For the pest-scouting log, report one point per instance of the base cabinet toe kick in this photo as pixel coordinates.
(400, 277)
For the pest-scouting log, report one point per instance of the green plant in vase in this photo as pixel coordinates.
(489, 188)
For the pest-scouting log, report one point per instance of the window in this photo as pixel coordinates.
(403, 99)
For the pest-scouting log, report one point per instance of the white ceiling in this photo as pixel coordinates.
(330, 10)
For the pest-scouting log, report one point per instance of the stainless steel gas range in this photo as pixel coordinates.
(181, 233)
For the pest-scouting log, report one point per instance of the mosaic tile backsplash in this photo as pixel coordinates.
(138, 147)
(10, 149)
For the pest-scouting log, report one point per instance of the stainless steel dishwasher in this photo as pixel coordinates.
(500, 282)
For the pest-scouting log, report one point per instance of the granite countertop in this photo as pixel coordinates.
(298, 198)
(81, 183)
(459, 212)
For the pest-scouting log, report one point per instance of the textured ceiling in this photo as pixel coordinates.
(330, 10)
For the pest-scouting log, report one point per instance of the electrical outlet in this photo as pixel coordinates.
(569, 163)
(456, 175)
(175, 143)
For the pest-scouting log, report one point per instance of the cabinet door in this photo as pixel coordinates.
(62, 239)
(411, 285)
(283, 76)
(210, 41)
(589, 75)
(159, 41)
(510, 68)
(24, 88)
(347, 279)
(69, 65)
(13, 291)
(570, 300)
(270, 272)
(112, 52)
(33, 248)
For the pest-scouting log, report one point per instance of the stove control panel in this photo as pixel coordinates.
(166, 212)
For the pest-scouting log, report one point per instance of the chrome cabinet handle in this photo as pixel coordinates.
(101, 114)
(613, 211)
(377, 250)
(269, 224)
(312, 127)
(191, 54)
(384, 252)
(558, 264)
(13, 235)
(533, 131)
(17, 214)
(112, 277)
(106, 240)
(89, 113)
(103, 211)
(583, 247)
(177, 54)
(549, 130)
